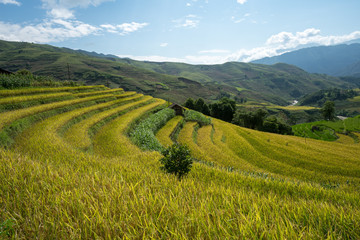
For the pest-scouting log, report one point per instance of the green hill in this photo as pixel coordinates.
(277, 84)
(64, 64)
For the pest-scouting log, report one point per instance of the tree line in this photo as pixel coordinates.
(225, 109)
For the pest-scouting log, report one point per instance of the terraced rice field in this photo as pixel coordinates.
(69, 170)
(328, 130)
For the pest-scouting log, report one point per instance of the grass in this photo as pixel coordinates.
(252, 104)
(245, 184)
(112, 140)
(8, 117)
(78, 134)
(355, 99)
(326, 130)
(165, 133)
(17, 92)
(14, 100)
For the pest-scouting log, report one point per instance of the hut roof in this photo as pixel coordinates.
(4, 71)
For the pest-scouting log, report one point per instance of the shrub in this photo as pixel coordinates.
(177, 160)
(191, 115)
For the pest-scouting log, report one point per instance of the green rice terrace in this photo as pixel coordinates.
(330, 130)
(83, 163)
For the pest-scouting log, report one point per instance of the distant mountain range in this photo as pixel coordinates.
(338, 60)
(278, 84)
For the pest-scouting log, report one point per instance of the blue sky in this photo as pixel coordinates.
(192, 31)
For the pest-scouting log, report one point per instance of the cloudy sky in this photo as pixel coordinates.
(192, 31)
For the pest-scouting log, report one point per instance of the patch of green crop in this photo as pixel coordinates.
(191, 115)
(144, 133)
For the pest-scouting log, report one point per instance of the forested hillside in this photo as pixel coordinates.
(278, 84)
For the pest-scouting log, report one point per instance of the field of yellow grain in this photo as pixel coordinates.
(71, 171)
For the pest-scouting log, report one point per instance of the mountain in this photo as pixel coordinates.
(278, 84)
(338, 60)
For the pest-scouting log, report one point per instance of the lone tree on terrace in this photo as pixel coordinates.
(177, 160)
(328, 110)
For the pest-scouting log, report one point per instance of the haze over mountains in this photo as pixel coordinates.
(337, 60)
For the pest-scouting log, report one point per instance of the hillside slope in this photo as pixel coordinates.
(338, 60)
(278, 84)
(65, 64)
(274, 83)
(69, 170)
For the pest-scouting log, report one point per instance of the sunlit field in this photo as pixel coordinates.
(70, 170)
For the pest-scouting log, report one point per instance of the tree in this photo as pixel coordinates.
(199, 105)
(259, 118)
(190, 103)
(253, 120)
(328, 110)
(227, 112)
(177, 160)
(271, 125)
(224, 109)
(206, 110)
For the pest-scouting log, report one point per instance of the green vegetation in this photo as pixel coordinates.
(177, 160)
(315, 130)
(326, 130)
(6, 228)
(328, 110)
(258, 120)
(144, 133)
(194, 116)
(223, 109)
(24, 78)
(320, 97)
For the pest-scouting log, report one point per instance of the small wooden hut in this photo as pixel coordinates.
(179, 110)
(3, 71)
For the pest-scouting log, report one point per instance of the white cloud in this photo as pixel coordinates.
(51, 4)
(214, 51)
(127, 28)
(275, 45)
(241, 1)
(286, 41)
(61, 24)
(124, 28)
(62, 8)
(110, 28)
(164, 44)
(188, 4)
(239, 20)
(61, 13)
(54, 30)
(10, 2)
(190, 21)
